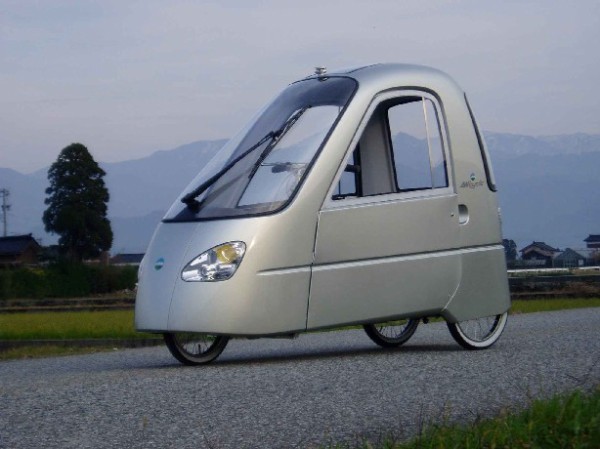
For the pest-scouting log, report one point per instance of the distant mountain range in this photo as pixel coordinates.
(548, 190)
(518, 145)
(551, 192)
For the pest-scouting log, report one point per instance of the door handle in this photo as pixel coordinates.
(463, 214)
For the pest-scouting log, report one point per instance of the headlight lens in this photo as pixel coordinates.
(216, 264)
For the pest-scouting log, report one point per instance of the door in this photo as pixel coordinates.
(387, 237)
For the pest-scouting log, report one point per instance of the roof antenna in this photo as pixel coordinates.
(320, 70)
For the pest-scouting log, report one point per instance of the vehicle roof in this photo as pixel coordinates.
(384, 76)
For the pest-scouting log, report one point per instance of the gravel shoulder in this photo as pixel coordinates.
(319, 388)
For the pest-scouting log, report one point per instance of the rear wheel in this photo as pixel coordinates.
(390, 334)
(479, 333)
(193, 348)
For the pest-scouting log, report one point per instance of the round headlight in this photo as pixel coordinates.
(216, 264)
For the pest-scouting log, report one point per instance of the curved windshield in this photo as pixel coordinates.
(260, 170)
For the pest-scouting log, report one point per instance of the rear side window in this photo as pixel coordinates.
(416, 143)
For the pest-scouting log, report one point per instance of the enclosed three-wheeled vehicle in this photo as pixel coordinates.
(362, 196)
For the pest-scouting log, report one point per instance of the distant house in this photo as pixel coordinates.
(593, 241)
(18, 250)
(539, 254)
(570, 258)
(127, 259)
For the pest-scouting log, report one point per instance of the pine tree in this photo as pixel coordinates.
(77, 204)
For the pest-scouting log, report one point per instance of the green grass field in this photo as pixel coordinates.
(548, 305)
(119, 323)
(68, 325)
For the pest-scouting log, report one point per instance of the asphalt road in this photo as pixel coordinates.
(317, 389)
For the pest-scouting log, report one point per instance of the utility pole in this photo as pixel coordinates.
(5, 207)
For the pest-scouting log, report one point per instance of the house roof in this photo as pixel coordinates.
(16, 244)
(541, 246)
(593, 238)
(572, 254)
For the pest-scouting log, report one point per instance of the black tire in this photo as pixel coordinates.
(480, 333)
(391, 334)
(195, 349)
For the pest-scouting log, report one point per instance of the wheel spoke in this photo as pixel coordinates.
(194, 348)
(393, 329)
(391, 333)
(478, 329)
(478, 333)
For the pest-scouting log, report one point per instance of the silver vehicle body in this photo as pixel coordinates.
(323, 260)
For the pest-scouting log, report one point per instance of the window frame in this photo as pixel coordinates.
(355, 157)
(485, 156)
(396, 94)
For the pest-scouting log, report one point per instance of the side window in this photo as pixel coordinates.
(400, 149)
(418, 154)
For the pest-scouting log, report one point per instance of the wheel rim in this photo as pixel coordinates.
(390, 334)
(482, 332)
(195, 345)
(193, 348)
(394, 330)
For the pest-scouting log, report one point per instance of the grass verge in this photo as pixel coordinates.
(564, 421)
(549, 305)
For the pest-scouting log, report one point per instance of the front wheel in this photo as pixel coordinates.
(479, 333)
(193, 348)
(391, 333)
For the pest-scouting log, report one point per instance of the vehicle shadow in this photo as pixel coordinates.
(281, 357)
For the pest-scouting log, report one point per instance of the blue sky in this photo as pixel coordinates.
(127, 78)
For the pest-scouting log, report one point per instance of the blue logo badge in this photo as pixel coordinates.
(159, 263)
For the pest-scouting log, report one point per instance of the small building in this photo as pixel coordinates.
(593, 241)
(539, 254)
(19, 250)
(127, 259)
(570, 258)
